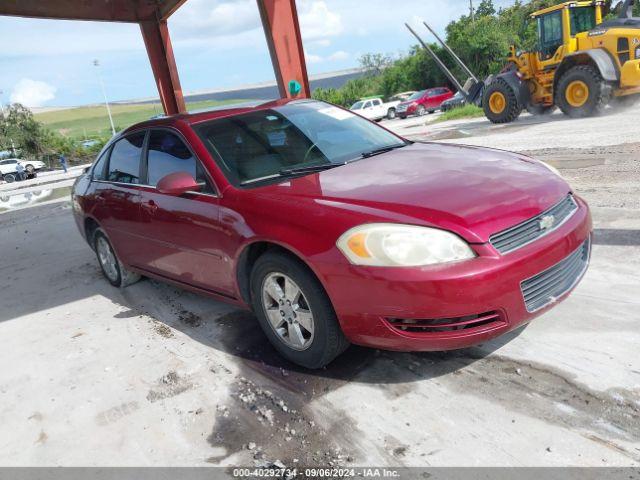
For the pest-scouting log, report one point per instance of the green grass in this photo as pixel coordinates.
(466, 111)
(92, 121)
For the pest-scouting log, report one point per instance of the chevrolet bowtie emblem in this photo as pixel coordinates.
(546, 222)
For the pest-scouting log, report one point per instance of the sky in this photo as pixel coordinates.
(217, 44)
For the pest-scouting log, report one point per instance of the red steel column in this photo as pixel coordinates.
(163, 63)
(280, 22)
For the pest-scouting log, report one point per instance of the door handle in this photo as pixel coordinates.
(151, 206)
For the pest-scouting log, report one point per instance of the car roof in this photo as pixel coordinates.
(211, 114)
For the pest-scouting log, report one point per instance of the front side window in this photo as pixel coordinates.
(124, 163)
(357, 105)
(550, 33)
(583, 19)
(265, 144)
(167, 153)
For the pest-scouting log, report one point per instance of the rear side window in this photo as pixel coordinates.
(167, 153)
(124, 163)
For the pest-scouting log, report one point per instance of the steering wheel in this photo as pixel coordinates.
(309, 150)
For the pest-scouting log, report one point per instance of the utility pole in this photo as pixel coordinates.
(96, 64)
(473, 19)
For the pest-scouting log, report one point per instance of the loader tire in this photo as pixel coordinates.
(582, 92)
(500, 103)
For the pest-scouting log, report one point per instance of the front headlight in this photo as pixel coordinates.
(395, 245)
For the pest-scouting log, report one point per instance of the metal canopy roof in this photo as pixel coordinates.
(279, 19)
(96, 10)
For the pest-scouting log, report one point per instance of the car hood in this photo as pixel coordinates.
(472, 191)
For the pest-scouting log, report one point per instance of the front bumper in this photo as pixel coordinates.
(368, 299)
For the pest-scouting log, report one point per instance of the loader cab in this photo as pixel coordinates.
(558, 25)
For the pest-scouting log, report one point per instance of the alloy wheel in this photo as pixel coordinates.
(107, 259)
(287, 311)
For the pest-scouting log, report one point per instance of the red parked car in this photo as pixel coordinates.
(425, 101)
(333, 229)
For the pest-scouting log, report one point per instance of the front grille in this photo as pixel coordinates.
(544, 288)
(530, 230)
(468, 322)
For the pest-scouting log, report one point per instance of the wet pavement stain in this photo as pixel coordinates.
(168, 386)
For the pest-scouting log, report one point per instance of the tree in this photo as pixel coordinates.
(485, 9)
(21, 133)
(375, 63)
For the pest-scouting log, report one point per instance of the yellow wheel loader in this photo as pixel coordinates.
(581, 64)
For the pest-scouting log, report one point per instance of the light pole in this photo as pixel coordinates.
(96, 64)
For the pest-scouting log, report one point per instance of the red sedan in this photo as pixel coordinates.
(333, 229)
(425, 101)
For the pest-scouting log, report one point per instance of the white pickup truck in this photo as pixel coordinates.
(375, 108)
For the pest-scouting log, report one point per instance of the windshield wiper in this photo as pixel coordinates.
(309, 168)
(380, 150)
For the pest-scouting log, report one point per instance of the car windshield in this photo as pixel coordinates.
(357, 106)
(417, 95)
(297, 137)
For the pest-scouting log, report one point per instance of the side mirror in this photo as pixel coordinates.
(177, 184)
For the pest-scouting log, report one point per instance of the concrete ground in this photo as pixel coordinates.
(153, 375)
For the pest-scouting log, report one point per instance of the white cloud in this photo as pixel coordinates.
(311, 58)
(334, 57)
(317, 21)
(324, 42)
(32, 93)
(215, 18)
(337, 56)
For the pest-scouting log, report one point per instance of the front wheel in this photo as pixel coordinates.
(295, 312)
(112, 268)
(500, 103)
(420, 111)
(582, 92)
(9, 178)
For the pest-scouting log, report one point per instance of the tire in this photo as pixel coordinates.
(402, 117)
(420, 111)
(500, 103)
(9, 178)
(391, 114)
(29, 168)
(112, 268)
(540, 109)
(312, 347)
(582, 92)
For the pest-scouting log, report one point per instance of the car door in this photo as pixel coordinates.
(367, 109)
(117, 196)
(377, 109)
(182, 233)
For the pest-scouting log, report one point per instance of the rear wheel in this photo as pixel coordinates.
(582, 92)
(500, 103)
(295, 312)
(391, 113)
(112, 268)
